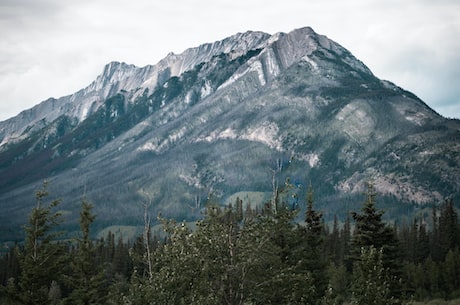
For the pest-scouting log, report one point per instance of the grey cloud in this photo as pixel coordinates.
(20, 12)
(413, 43)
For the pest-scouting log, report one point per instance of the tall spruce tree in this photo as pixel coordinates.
(87, 278)
(282, 280)
(313, 258)
(345, 243)
(423, 243)
(371, 231)
(41, 259)
(449, 228)
(332, 244)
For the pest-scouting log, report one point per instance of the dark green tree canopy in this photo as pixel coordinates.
(42, 258)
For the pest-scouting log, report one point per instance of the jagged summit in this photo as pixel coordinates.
(281, 50)
(114, 72)
(213, 119)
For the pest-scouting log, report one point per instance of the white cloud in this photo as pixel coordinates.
(49, 48)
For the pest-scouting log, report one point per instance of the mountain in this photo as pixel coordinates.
(228, 119)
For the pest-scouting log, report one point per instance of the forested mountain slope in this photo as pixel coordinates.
(228, 119)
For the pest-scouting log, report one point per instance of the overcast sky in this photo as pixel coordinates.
(52, 48)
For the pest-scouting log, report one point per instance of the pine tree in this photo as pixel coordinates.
(433, 278)
(451, 273)
(9, 265)
(281, 278)
(121, 264)
(435, 248)
(41, 259)
(87, 278)
(371, 280)
(449, 228)
(345, 243)
(313, 259)
(422, 247)
(334, 247)
(371, 231)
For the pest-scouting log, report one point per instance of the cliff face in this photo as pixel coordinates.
(118, 76)
(226, 119)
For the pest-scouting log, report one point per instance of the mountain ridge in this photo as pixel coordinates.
(114, 75)
(226, 118)
(110, 81)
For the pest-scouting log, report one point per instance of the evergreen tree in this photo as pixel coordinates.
(433, 279)
(345, 243)
(337, 289)
(121, 263)
(41, 259)
(449, 227)
(224, 260)
(415, 281)
(408, 236)
(177, 269)
(333, 246)
(371, 231)
(9, 265)
(279, 275)
(451, 273)
(435, 248)
(87, 278)
(312, 258)
(371, 280)
(239, 210)
(422, 246)
(145, 254)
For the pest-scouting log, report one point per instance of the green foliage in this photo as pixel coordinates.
(228, 259)
(371, 280)
(41, 260)
(436, 302)
(449, 228)
(370, 229)
(310, 250)
(237, 256)
(206, 266)
(86, 280)
(372, 232)
(337, 289)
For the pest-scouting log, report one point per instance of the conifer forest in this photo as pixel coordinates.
(239, 254)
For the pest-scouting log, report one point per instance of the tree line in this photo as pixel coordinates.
(238, 255)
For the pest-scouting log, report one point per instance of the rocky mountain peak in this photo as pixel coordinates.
(215, 117)
(112, 73)
(279, 51)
